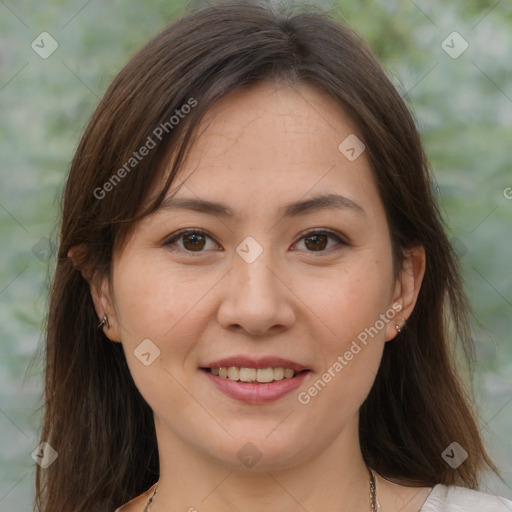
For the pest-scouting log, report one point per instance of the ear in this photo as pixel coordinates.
(407, 288)
(100, 292)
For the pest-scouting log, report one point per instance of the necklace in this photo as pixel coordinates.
(148, 505)
(373, 494)
(373, 491)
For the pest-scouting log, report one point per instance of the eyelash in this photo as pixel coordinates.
(179, 234)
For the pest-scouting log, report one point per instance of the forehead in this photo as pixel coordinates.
(276, 122)
(270, 145)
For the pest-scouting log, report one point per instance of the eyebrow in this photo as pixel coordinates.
(294, 209)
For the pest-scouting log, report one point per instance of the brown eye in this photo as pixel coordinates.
(317, 241)
(193, 240)
(196, 240)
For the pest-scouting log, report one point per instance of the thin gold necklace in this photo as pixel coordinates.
(373, 494)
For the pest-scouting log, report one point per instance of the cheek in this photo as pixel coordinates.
(354, 309)
(354, 299)
(155, 302)
(153, 298)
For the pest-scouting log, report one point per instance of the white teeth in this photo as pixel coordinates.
(233, 373)
(288, 374)
(265, 375)
(262, 375)
(278, 373)
(247, 374)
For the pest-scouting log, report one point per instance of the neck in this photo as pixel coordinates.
(335, 478)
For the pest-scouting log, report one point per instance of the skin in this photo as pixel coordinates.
(262, 147)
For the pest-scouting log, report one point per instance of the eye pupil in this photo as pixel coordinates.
(317, 245)
(198, 239)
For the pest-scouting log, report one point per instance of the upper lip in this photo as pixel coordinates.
(261, 362)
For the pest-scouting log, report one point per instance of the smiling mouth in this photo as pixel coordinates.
(253, 375)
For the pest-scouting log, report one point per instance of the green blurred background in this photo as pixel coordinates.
(463, 107)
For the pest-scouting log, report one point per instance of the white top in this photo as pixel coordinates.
(452, 498)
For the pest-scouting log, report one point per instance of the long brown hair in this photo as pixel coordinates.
(95, 418)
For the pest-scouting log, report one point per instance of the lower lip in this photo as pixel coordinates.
(256, 393)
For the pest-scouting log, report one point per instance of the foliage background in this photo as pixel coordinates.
(463, 108)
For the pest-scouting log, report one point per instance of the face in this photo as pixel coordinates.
(307, 286)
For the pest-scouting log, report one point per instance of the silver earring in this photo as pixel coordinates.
(103, 322)
(397, 327)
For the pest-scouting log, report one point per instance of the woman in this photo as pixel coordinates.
(255, 302)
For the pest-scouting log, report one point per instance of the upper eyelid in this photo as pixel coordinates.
(176, 235)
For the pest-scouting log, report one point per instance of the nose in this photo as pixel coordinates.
(256, 297)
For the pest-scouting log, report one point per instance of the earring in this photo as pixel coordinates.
(104, 322)
(398, 328)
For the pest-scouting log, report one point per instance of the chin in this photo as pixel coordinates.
(258, 454)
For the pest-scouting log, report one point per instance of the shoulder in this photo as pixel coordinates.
(135, 505)
(444, 498)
